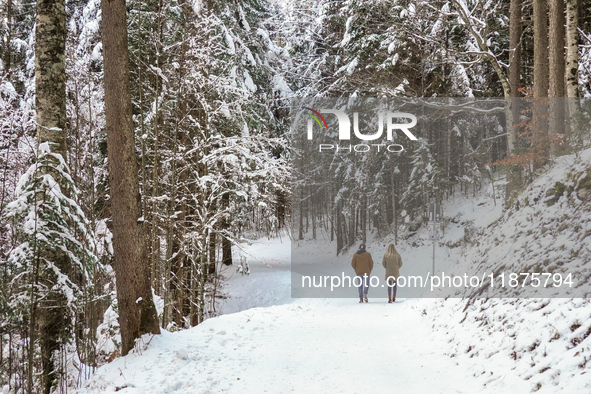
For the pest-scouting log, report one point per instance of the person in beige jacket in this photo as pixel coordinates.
(392, 263)
(362, 263)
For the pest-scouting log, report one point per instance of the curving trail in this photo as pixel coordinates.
(300, 346)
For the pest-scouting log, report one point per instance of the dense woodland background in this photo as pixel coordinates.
(209, 87)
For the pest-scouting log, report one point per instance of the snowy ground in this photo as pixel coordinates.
(270, 282)
(335, 346)
(332, 346)
(267, 342)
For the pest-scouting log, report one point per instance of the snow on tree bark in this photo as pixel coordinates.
(50, 100)
(50, 74)
(572, 48)
(514, 70)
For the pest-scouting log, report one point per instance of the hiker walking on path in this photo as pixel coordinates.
(362, 263)
(392, 263)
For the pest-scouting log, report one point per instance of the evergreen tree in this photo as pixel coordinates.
(422, 181)
(52, 265)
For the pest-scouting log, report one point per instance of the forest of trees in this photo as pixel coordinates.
(462, 49)
(140, 140)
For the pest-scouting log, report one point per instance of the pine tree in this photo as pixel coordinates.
(53, 263)
(422, 180)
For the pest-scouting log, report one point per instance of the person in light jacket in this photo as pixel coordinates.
(392, 263)
(362, 263)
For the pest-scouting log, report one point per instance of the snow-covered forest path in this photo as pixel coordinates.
(330, 346)
(300, 345)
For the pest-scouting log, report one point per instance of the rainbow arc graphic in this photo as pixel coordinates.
(317, 115)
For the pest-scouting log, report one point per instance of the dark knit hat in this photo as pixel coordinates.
(361, 249)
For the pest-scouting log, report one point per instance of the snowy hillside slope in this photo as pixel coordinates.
(548, 232)
(544, 341)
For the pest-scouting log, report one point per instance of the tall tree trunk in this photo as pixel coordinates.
(226, 243)
(540, 48)
(50, 74)
(352, 225)
(394, 217)
(556, 48)
(211, 268)
(339, 229)
(330, 213)
(154, 234)
(50, 101)
(572, 48)
(556, 71)
(515, 47)
(313, 212)
(540, 122)
(281, 203)
(8, 53)
(137, 314)
(301, 219)
(363, 218)
(514, 71)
